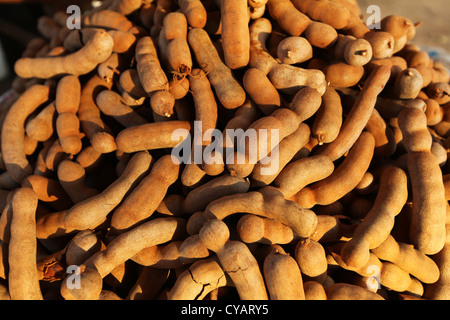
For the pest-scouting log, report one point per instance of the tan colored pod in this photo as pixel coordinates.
(13, 131)
(267, 169)
(228, 90)
(427, 229)
(409, 259)
(72, 177)
(408, 84)
(177, 52)
(206, 109)
(111, 104)
(311, 258)
(130, 243)
(359, 114)
(288, 17)
(155, 135)
(143, 200)
(344, 179)
(282, 275)
(98, 47)
(261, 90)
(329, 118)
(300, 173)
(314, 290)
(378, 224)
(293, 50)
(226, 184)
(236, 260)
(383, 43)
(89, 287)
(235, 35)
(23, 281)
(148, 284)
(201, 278)
(252, 228)
(344, 291)
(328, 12)
(342, 74)
(40, 127)
(195, 12)
(267, 202)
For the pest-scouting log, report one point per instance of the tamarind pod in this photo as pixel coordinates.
(88, 112)
(172, 205)
(204, 102)
(288, 17)
(292, 50)
(331, 228)
(263, 174)
(198, 198)
(229, 92)
(194, 11)
(82, 246)
(311, 259)
(314, 290)
(377, 225)
(109, 69)
(260, 58)
(107, 19)
(408, 258)
(125, 7)
(48, 190)
(306, 102)
(201, 278)
(130, 243)
(13, 131)
(236, 260)
(359, 114)
(123, 41)
(98, 48)
(111, 104)
(130, 82)
(385, 144)
(68, 131)
(439, 289)
(408, 84)
(235, 33)
(321, 35)
(23, 281)
(141, 203)
(178, 54)
(148, 284)
(149, 68)
(300, 173)
(342, 74)
(40, 127)
(283, 277)
(267, 202)
(428, 220)
(345, 291)
(261, 90)
(328, 120)
(174, 254)
(343, 179)
(290, 79)
(108, 199)
(252, 228)
(358, 52)
(356, 27)
(439, 91)
(427, 229)
(151, 136)
(90, 285)
(72, 176)
(282, 122)
(327, 12)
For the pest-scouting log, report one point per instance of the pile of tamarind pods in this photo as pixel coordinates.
(94, 205)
